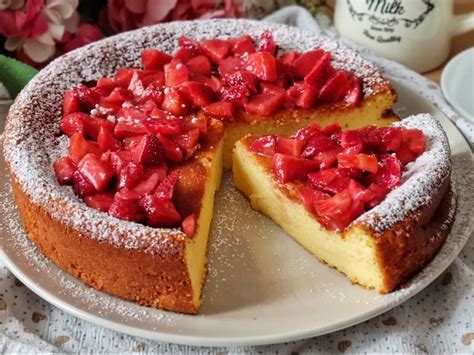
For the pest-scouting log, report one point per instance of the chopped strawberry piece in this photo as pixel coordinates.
(129, 176)
(354, 94)
(262, 65)
(189, 225)
(176, 73)
(339, 211)
(288, 168)
(183, 54)
(96, 171)
(333, 131)
(415, 140)
(329, 180)
(307, 132)
(118, 96)
(73, 123)
(289, 146)
(328, 158)
(265, 145)
(305, 62)
(154, 59)
(175, 103)
(197, 94)
(316, 144)
(150, 98)
(289, 58)
(86, 98)
(70, 103)
(82, 186)
(136, 85)
(148, 150)
(199, 64)
(242, 45)
(148, 185)
(389, 173)
(128, 129)
(190, 44)
(64, 169)
(159, 212)
(363, 162)
(213, 82)
(173, 152)
(271, 88)
(336, 87)
(319, 74)
(165, 190)
(265, 104)
(351, 142)
(229, 66)
(220, 110)
(215, 49)
(167, 125)
(126, 210)
(79, 147)
(301, 95)
(188, 140)
(391, 138)
(309, 196)
(106, 139)
(154, 78)
(123, 76)
(100, 201)
(117, 160)
(266, 43)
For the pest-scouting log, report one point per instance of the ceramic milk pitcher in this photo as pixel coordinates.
(416, 33)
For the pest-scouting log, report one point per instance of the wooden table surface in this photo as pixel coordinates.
(458, 43)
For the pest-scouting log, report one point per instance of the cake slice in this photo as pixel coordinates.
(377, 211)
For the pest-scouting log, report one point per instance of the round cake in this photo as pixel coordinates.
(165, 267)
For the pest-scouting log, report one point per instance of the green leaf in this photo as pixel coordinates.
(15, 74)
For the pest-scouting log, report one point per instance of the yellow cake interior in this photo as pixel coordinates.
(352, 252)
(285, 123)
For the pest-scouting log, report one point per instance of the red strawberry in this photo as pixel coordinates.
(123, 76)
(173, 152)
(262, 65)
(242, 45)
(81, 186)
(148, 185)
(73, 123)
(126, 210)
(183, 54)
(64, 169)
(213, 82)
(79, 147)
(118, 96)
(307, 132)
(338, 211)
(316, 144)
(70, 103)
(305, 62)
(319, 74)
(391, 138)
(175, 103)
(220, 110)
(267, 44)
(96, 171)
(86, 98)
(415, 140)
(129, 175)
(265, 104)
(100, 201)
(389, 173)
(289, 146)
(289, 58)
(265, 145)
(199, 64)
(329, 180)
(176, 73)
(106, 139)
(188, 140)
(215, 49)
(154, 59)
(167, 125)
(189, 44)
(197, 94)
(301, 95)
(229, 66)
(165, 189)
(354, 94)
(154, 78)
(127, 129)
(159, 212)
(148, 150)
(189, 225)
(359, 161)
(288, 168)
(309, 196)
(336, 88)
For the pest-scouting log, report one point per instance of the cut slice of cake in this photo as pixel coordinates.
(374, 203)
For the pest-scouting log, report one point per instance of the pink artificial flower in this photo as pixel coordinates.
(23, 22)
(125, 15)
(85, 34)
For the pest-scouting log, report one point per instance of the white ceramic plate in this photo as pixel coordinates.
(262, 286)
(457, 83)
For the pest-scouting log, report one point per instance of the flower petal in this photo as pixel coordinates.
(158, 10)
(38, 52)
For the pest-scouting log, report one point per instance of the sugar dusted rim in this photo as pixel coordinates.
(32, 141)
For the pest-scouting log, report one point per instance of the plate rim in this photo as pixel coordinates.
(444, 82)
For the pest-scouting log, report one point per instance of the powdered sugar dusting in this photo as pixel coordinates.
(420, 181)
(33, 140)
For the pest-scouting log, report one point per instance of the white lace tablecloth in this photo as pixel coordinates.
(438, 320)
